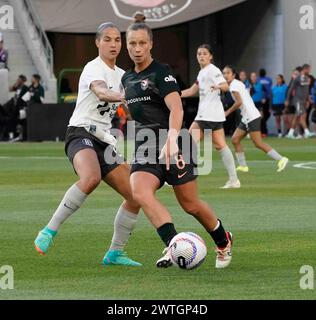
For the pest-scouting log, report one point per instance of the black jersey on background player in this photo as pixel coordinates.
(145, 92)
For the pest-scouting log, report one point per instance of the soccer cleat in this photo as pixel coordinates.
(224, 255)
(165, 261)
(282, 164)
(119, 257)
(290, 136)
(242, 169)
(43, 242)
(231, 185)
(309, 135)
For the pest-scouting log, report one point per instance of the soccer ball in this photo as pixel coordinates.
(187, 250)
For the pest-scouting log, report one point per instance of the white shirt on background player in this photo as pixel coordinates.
(248, 110)
(210, 104)
(86, 112)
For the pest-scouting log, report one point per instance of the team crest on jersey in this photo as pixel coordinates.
(154, 10)
(144, 84)
(87, 142)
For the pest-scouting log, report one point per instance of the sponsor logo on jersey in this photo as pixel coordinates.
(139, 99)
(144, 84)
(87, 142)
(170, 78)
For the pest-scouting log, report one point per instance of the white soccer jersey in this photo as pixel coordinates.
(210, 105)
(248, 110)
(90, 112)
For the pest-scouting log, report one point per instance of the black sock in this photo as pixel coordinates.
(279, 131)
(167, 232)
(219, 236)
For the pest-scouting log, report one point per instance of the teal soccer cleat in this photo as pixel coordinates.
(43, 241)
(119, 257)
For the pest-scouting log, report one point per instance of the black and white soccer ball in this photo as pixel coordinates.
(187, 250)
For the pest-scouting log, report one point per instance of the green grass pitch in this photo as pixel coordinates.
(273, 218)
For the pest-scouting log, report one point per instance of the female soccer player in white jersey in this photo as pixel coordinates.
(250, 122)
(91, 148)
(210, 82)
(153, 99)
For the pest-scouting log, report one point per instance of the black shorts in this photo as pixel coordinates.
(278, 109)
(204, 125)
(78, 139)
(290, 110)
(259, 105)
(252, 126)
(182, 169)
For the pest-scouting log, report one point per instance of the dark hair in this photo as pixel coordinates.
(305, 66)
(22, 77)
(207, 47)
(139, 24)
(37, 77)
(282, 78)
(102, 27)
(233, 69)
(299, 69)
(262, 72)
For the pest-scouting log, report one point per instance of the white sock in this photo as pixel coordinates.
(229, 163)
(274, 155)
(306, 131)
(72, 201)
(291, 132)
(241, 159)
(124, 224)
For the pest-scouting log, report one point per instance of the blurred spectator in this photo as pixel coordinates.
(3, 55)
(290, 109)
(313, 109)
(300, 87)
(9, 115)
(36, 90)
(243, 78)
(267, 89)
(278, 99)
(256, 91)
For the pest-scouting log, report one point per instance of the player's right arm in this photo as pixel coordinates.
(101, 90)
(236, 105)
(193, 91)
(289, 93)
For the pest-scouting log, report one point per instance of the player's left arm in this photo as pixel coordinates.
(236, 105)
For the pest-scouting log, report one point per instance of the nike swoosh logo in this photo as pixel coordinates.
(182, 175)
(68, 207)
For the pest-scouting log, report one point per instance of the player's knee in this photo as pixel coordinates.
(258, 144)
(235, 141)
(191, 207)
(89, 183)
(140, 196)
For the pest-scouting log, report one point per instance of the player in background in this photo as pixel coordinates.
(250, 123)
(301, 88)
(154, 102)
(91, 148)
(278, 98)
(211, 115)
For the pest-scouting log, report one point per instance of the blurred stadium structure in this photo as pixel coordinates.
(50, 36)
